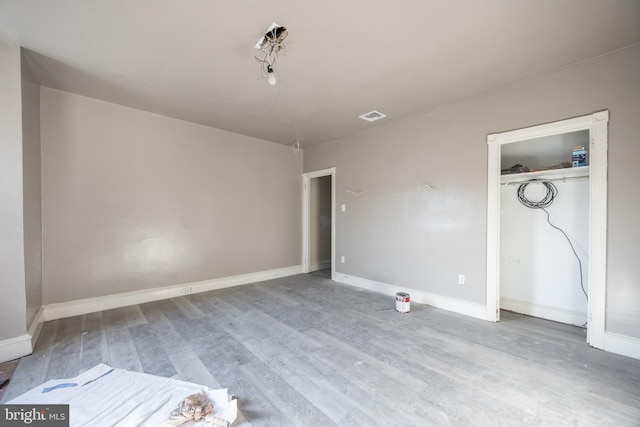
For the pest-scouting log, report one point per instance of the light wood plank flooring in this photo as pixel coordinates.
(306, 351)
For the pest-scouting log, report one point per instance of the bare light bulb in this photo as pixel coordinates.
(272, 79)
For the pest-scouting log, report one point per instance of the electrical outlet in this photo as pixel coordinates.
(186, 290)
(343, 259)
(461, 279)
(343, 208)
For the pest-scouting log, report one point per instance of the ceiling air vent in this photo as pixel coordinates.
(372, 116)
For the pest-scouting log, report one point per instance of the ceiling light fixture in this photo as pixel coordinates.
(272, 77)
(271, 46)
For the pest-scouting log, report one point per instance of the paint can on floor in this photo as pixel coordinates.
(403, 302)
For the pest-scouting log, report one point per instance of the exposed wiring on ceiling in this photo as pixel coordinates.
(275, 101)
(271, 45)
(296, 145)
(267, 66)
(545, 202)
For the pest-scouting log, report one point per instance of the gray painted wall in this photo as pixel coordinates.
(31, 190)
(12, 275)
(133, 200)
(401, 233)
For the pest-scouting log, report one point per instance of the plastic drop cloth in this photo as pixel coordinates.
(106, 396)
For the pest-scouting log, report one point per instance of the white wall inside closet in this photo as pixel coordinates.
(539, 273)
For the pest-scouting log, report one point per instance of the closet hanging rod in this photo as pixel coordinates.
(559, 178)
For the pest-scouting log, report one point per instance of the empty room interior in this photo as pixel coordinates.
(336, 213)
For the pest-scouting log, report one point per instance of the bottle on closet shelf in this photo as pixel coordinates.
(579, 156)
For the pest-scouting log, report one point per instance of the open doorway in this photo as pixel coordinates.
(320, 226)
(596, 126)
(319, 223)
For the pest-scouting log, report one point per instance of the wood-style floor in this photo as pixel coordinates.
(306, 351)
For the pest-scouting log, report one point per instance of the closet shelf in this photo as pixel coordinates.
(547, 175)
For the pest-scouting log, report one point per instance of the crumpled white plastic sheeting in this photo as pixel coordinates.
(106, 396)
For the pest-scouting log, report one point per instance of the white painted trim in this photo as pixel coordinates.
(549, 129)
(597, 124)
(306, 206)
(446, 303)
(14, 348)
(92, 305)
(556, 314)
(597, 268)
(622, 344)
(36, 327)
(493, 231)
(22, 345)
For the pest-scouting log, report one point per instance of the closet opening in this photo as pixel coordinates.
(544, 227)
(546, 242)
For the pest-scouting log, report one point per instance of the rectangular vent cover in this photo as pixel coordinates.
(372, 116)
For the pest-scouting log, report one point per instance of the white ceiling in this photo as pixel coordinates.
(193, 59)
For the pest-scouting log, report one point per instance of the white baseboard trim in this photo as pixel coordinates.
(16, 347)
(108, 302)
(322, 265)
(622, 344)
(36, 327)
(544, 311)
(22, 345)
(478, 311)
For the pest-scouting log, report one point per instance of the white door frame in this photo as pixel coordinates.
(597, 124)
(306, 212)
